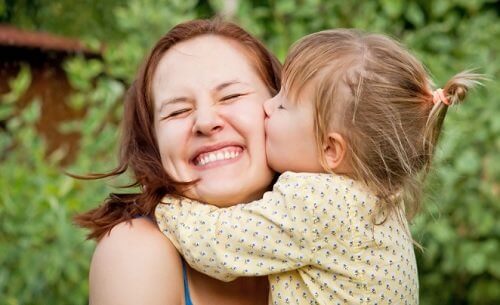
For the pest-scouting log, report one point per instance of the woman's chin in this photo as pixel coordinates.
(228, 190)
(223, 194)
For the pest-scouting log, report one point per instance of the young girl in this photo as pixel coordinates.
(353, 132)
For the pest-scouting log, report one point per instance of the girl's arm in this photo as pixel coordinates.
(272, 235)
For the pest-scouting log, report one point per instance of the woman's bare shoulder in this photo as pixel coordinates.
(135, 264)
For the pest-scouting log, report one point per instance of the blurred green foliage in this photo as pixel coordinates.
(44, 257)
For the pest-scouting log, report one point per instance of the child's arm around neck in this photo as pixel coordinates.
(272, 235)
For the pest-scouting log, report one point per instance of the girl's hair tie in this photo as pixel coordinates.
(438, 96)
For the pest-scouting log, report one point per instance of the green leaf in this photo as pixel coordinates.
(494, 267)
(18, 85)
(393, 8)
(31, 113)
(6, 111)
(414, 14)
(476, 263)
(468, 162)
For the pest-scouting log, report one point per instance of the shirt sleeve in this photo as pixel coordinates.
(271, 235)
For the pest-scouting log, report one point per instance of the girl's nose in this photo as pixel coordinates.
(207, 122)
(268, 107)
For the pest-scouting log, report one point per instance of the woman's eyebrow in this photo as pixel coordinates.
(227, 84)
(173, 100)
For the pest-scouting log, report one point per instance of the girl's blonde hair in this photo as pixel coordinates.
(371, 90)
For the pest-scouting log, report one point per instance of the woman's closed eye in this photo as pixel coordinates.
(176, 113)
(232, 97)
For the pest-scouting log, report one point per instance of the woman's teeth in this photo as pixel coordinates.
(216, 156)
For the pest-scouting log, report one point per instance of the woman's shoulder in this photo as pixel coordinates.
(139, 230)
(135, 264)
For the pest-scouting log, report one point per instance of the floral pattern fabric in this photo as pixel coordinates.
(312, 234)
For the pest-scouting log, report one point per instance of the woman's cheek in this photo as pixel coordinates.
(247, 112)
(172, 133)
(173, 142)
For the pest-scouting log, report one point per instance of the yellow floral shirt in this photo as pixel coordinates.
(312, 234)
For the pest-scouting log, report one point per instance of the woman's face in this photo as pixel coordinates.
(209, 120)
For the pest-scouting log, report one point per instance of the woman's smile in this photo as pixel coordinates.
(208, 157)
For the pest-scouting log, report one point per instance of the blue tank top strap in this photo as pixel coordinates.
(187, 295)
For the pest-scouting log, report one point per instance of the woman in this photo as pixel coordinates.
(193, 126)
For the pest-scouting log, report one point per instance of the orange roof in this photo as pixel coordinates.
(11, 36)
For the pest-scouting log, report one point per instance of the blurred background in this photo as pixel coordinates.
(65, 65)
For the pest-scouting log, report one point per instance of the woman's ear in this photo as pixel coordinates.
(334, 150)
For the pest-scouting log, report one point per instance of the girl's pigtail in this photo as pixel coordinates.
(458, 87)
(454, 92)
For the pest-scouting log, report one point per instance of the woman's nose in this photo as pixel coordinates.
(207, 122)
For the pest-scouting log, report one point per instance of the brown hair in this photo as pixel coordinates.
(138, 150)
(371, 90)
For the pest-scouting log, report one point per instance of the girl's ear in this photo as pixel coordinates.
(334, 150)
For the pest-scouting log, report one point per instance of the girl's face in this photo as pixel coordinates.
(290, 137)
(209, 120)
